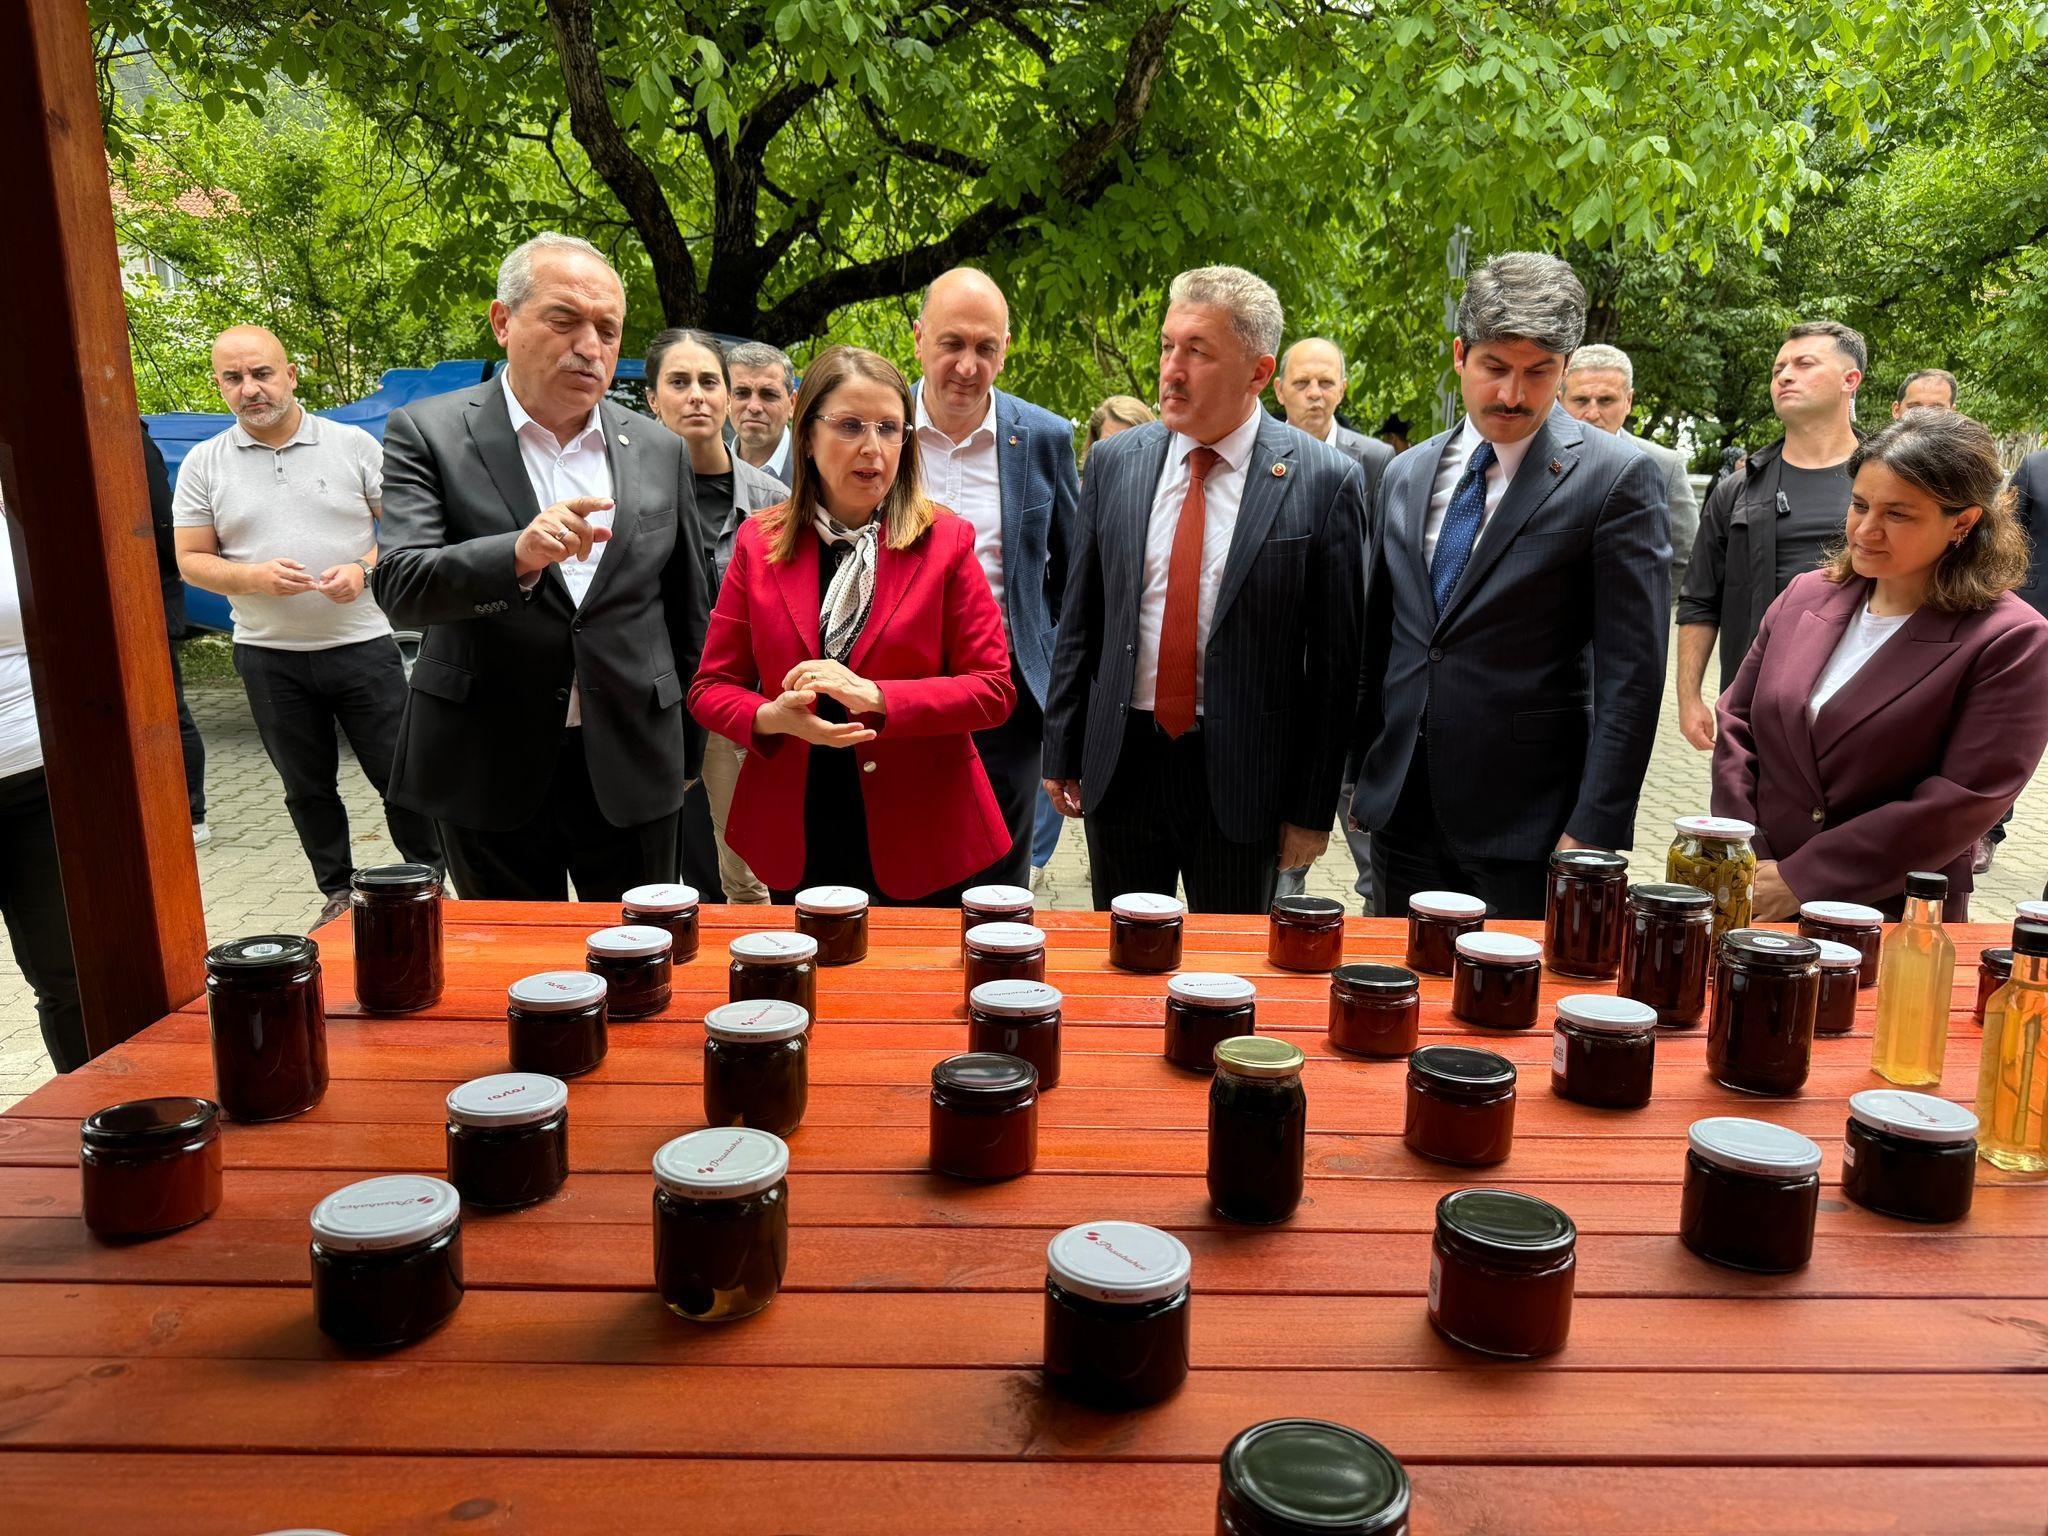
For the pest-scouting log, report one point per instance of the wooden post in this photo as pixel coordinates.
(72, 478)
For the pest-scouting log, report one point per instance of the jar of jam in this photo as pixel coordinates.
(1021, 1019)
(555, 1022)
(757, 1065)
(1003, 952)
(508, 1139)
(1145, 931)
(837, 917)
(984, 1116)
(1436, 921)
(721, 1223)
(1752, 1190)
(1603, 1050)
(1375, 1010)
(1500, 1273)
(1766, 989)
(1116, 1314)
(994, 904)
(1712, 853)
(1841, 978)
(634, 962)
(781, 965)
(1287, 1476)
(1305, 933)
(1497, 980)
(1994, 970)
(1667, 951)
(1203, 1009)
(1460, 1105)
(268, 1019)
(149, 1166)
(1258, 1126)
(387, 1260)
(673, 907)
(395, 912)
(1582, 914)
(1910, 1155)
(1846, 922)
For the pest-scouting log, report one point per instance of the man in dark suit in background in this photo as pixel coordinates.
(1209, 637)
(537, 533)
(1515, 622)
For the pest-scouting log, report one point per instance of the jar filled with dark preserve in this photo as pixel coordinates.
(837, 917)
(1667, 951)
(984, 1117)
(395, 913)
(1460, 1105)
(1583, 913)
(1145, 931)
(721, 1223)
(1766, 989)
(1500, 1273)
(1003, 952)
(1603, 1051)
(508, 1139)
(1841, 978)
(1203, 1009)
(1258, 1124)
(638, 973)
(1752, 1191)
(1375, 1010)
(994, 904)
(150, 1165)
(555, 1022)
(1116, 1314)
(780, 965)
(387, 1260)
(669, 906)
(1846, 922)
(1498, 981)
(268, 1018)
(1021, 1019)
(757, 1065)
(1289, 1476)
(1305, 933)
(1910, 1155)
(1436, 921)
(1994, 970)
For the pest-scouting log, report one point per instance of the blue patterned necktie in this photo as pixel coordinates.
(1460, 530)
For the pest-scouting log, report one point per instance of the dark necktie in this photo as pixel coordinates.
(1460, 530)
(1173, 700)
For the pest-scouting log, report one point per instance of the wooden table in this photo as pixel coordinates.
(179, 1385)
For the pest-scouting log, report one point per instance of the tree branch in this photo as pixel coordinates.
(914, 149)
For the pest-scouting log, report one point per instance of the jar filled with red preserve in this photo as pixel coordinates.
(1846, 922)
(1460, 1106)
(1003, 952)
(669, 906)
(634, 962)
(1667, 951)
(721, 1223)
(1751, 1196)
(508, 1139)
(1018, 1018)
(556, 1022)
(150, 1166)
(395, 917)
(1841, 978)
(1497, 980)
(1583, 913)
(1603, 1051)
(757, 1065)
(268, 1018)
(1305, 933)
(1501, 1273)
(1766, 988)
(1994, 970)
(1375, 1010)
(1289, 1476)
(1436, 921)
(1203, 1009)
(984, 1116)
(779, 965)
(1145, 931)
(387, 1260)
(837, 917)
(1116, 1314)
(1909, 1155)
(994, 904)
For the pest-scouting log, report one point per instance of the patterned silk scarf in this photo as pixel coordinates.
(852, 592)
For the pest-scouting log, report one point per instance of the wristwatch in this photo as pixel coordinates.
(366, 568)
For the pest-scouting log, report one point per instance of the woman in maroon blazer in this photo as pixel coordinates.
(1895, 701)
(854, 651)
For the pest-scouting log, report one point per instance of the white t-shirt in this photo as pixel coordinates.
(1859, 642)
(21, 742)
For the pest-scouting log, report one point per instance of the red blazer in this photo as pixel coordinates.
(1912, 761)
(934, 643)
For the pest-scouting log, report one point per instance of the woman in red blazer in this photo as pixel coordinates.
(854, 651)
(1895, 701)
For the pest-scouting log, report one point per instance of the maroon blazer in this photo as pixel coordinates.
(1913, 760)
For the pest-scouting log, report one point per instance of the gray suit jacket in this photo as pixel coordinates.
(1681, 507)
(1369, 453)
(752, 490)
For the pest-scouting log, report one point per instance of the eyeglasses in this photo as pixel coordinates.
(851, 429)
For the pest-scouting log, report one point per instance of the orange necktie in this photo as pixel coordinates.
(1173, 699)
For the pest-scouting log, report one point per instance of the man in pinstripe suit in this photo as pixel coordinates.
(1208, 643)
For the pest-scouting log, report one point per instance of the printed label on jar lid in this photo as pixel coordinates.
(773, 948)
(1005, 938)
(1016, 998)
(507, 1099)
(557, 991)
(1498, 948)
(629, 941)
(1606, 1013)
(721, 1164)
(832, 900)
(1753, 1146)
(263, 951)
(1455, 905)
(996, 898)
(767, 1018)
(1719, 829)
(1119, 1262)
(1147, 907)
(1210, 989)
(660, 898)
(395, 1211)
(1842, 914)
(1913, 1116)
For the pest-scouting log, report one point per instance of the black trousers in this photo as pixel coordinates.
(1410, 855)
(1156, 827)
(191, 742)
(1010, 755)
(32, 903)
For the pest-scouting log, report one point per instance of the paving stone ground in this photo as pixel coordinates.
(255, 879)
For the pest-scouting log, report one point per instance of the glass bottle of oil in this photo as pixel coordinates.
(2012, 1082)
(1915, 972)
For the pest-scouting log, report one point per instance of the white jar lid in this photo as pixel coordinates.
(506, 1099)
(1606, 1014)
(661, 898)
(1718, 829)
(1121, 1262)
(1754, 1146)
(1839, 957)
(1005, 938)
(722, 1163)
(763, 1019)
(1014, 999)
(624, 943)
(1452, 904)
(832, 900)
(1914, 1116)
(996, 898)
(2032, 911)
(1840, 914)
(1148, 907)
(1210, 989)
(773, 948)
(395, 1211)
(1498, 948)
(557, 991)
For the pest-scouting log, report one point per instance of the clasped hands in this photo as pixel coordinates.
(793, 712)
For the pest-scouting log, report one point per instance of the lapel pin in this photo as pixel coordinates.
(627, 442)
(1279, 471)
(1556, 467)
(1013, 439)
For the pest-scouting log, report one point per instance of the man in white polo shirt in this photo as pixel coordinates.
(278, 514)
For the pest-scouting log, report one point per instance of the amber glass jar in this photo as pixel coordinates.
(1667, 951)
(1021, 1019)
(1305, 933)
(1603, 1051)
(1289, 1476)
(387, 1260)
(1760, 1035)
(555, 1022)
(721, 1223)
(757, 1065)
(1460, 1106)
(1436, 921)
(1583, 913)
(1841, 978)
(1258, 1124)
(1145, 931)
(508, 1139)
(1846, 922)
(1375, 1010)
(1752, 1191)
(1003, 952)
(150, 1165)
(1994, 970)
(395, 913)
(673, 907)
(634, 962)
(837, 917)
(1714, 854)
(984, 1117)
(268, 1018)
(994, 904)
(1116, 1314)
(782, 965)
(1203, 1009)
(1500, 1273)
(1497, 981)
(1910, 1155)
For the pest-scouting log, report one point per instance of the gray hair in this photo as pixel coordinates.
(1598, 357)
(1253, 306)
(758, 354)
(1524, 296)
(515, 273)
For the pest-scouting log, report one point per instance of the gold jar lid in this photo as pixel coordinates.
(1258, 1056)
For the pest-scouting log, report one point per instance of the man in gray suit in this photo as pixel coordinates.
(1600, 389)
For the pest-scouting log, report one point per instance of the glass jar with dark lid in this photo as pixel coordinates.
(1667, 951)
(1841, 978)
(1994, 970)
(508, 1139)
(1018, 1018)
(1910, 1155)
(1305, 933)
(1003, 952)
(994, 904)
(757, 1065)
(555, 1022)
(1500, 1273)
(1203, 1009)
(984, 1116)
(1460, 1105)
(1760, 1034)
(637, 971)
(721, 1223)
(1752, 1192)
(387, 1260)
(150, 1165)
(665, 905)
(268, 1019)
(1436, 921)
(1145, 931)
(782, 965)
(1287, 1477)
(1375, 1010)
(1603, 1051)
(1850, 923)
(1497, 981)
(837, 917)
(395, 915)
(1258, 1123)
(1582, 914)
(1116, 1314)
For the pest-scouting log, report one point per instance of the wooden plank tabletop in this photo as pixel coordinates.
(1899, 1383)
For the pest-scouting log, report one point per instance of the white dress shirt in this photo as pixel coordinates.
(1222, 494)
(962, 476)
(1507, 458)
(560, 471)
(1860, 641)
